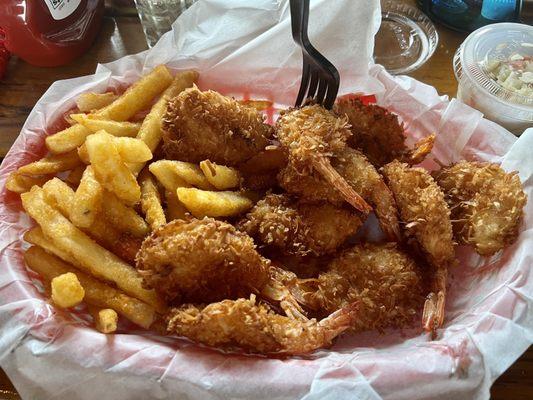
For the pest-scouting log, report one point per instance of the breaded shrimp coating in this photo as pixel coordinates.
(313, 135)
(427, 220)
(207, 125)
(361, 175)
(376, 131)
(299, 229)
(255, 327)
(383, 280)
(201, 261)
(379, 135)
(487, 204)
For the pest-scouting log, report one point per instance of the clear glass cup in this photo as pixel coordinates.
(157, 16)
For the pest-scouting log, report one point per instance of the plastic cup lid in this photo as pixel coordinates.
(496, 42)
(406, 38)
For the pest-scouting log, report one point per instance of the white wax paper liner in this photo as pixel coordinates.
(246, 49)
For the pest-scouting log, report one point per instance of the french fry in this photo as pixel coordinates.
(151, 200)
(166, 176)
(67, 290)
(74, 177)
(132, 150)
(87, 200)
(175, 208)
(19, 183)
(67, 140)
(259, 105)
(122, 217)
(105, 320)
(90, 101)
(51, 164)
(83, 154)
(110, 170)
(97, 293)
(183, 173)
(203, 203)
(138, 97)
(61, 196)
(150, 132)
(37, 237)
(115, 128)
(220, 176)
(89, 255)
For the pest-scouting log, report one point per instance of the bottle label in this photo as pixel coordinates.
(61, 9)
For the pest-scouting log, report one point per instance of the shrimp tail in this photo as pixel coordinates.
(324, 167)
(419, 151)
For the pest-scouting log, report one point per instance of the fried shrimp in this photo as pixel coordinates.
(427, 220)
(361, 175)
(487, 204)
(299, 229)
(201, 261)
(312, 135)
(207, 125)
(255, 327)
(383, 280)
(379, 135)
(206, 260)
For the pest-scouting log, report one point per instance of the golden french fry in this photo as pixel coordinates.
(74, 177)
(115, 128)
(90, 101)
(150, 132)
(19, 183)
(87, 200)
(164, 173)
(51, 164)
(89, 255)
(138, 97)
(122, 217)
(83, 154)
(105, 320)
(96, 293)
(259, 105)
(132, 150)
(220, 176)
(37, 237)
(67, 139)
(203, 203)
(179, 173)
(175, 208)
(151, 200)
(67, 290)
(61, 196)
(110, 170)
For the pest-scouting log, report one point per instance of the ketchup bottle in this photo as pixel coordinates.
(49, 33)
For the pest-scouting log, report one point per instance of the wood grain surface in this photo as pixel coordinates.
(122, 34)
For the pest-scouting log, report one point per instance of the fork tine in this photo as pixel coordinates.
(306, 71)
(322, 88)
(333, 89)
(314, 83)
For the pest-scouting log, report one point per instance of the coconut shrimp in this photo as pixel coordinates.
(312, 135)
(487, 204)
(361, 175)
(255, 327)
(379, 135)
(382, 279)
(427, 220)
(206, 260)
(299, 229)
(207, 125)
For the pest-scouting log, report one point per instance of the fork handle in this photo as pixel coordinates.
(300, 21)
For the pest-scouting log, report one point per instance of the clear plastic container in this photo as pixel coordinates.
(497, 42)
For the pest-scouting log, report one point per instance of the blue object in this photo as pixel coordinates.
(469, 15)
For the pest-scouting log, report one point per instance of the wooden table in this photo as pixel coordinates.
(122, 34)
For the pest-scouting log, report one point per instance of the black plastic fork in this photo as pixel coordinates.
(320, 78)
